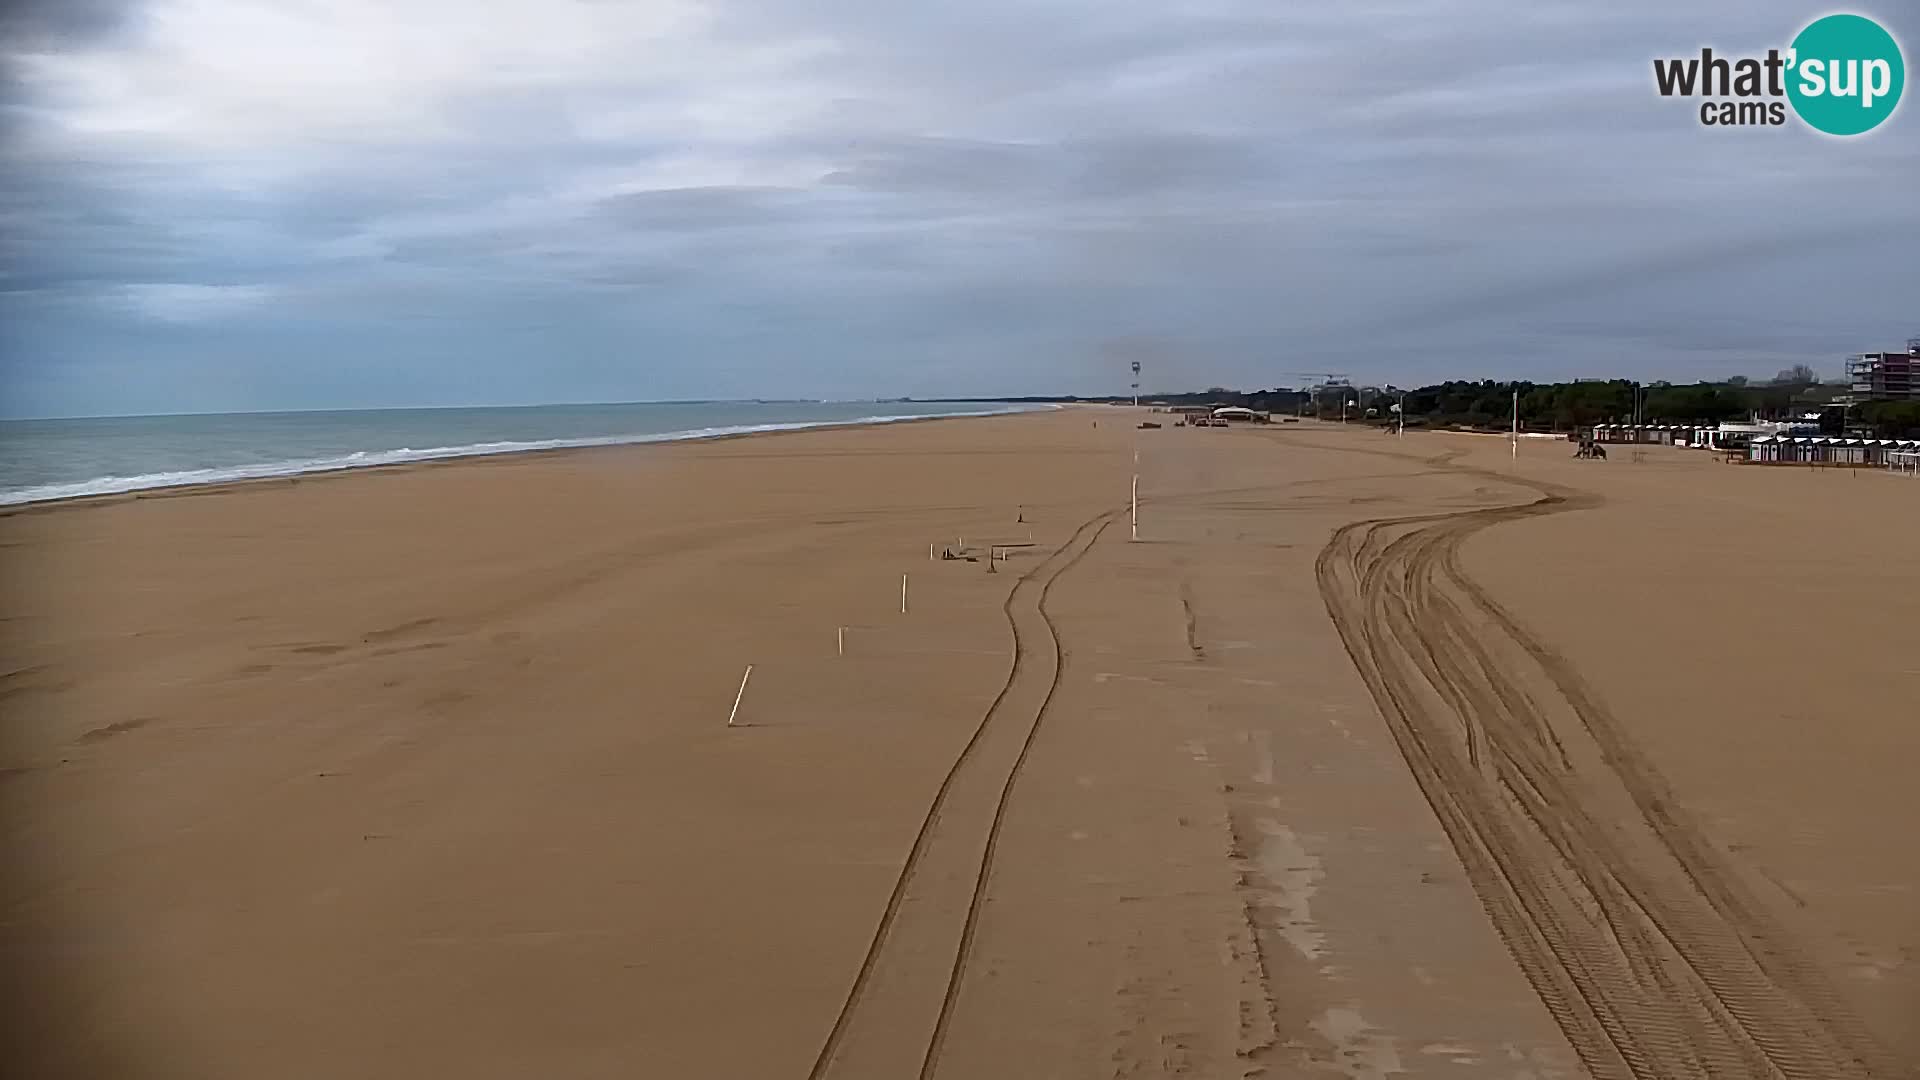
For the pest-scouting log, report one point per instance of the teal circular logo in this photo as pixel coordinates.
(1845, 74)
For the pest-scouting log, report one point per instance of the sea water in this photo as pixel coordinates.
(58, 459)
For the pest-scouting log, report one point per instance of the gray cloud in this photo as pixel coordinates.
(860, 197)
(46, 24)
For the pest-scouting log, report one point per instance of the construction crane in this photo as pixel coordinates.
(1327, 379)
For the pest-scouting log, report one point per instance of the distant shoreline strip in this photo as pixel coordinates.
(365, 459)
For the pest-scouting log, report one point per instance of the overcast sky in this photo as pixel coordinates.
(236, 204)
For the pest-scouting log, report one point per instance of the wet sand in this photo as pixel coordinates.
(426, 771)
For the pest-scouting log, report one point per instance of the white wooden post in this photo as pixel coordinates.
(738, 696)
(903, 594)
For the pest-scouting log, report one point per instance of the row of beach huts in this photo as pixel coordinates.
(1771, 443)
(1834, 450)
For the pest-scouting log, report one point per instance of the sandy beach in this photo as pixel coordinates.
(1372, 756)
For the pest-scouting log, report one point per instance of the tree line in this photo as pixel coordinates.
(1568, 406)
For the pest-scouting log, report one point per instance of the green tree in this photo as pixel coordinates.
(1892, 419)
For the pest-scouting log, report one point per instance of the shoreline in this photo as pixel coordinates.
(214, 487)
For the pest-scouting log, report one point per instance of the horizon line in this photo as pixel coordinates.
(903, 399)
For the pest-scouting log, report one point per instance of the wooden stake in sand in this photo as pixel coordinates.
(840, 638)
(738, 696)
(903, 594)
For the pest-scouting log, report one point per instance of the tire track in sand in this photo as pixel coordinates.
(1643, 942)
(894, 1017)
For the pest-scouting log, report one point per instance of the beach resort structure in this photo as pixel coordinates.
(1239, 414)
(1765, 442)
(1724, 436)
(1647, 434)
(1887, 376)
(1832, 450)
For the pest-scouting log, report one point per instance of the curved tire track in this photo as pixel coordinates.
(928, 972)
(930, 1062)
(1644, 945)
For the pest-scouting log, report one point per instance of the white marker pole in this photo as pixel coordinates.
(1516, 425)
(903, 594)
(741, 694)
(930, 548)
(1136, 506)
(840, 640)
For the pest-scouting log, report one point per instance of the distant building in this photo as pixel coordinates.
(1898, 454)
(1727, 435)
(1655, 434)
(1887, 376)
(1239, 414)
(1732, 435)
(1722, 436)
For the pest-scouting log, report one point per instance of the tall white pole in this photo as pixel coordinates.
(1136, 506)
(903, 594)
(1516, 425)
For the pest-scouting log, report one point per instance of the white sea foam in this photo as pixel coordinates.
(361, 459)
